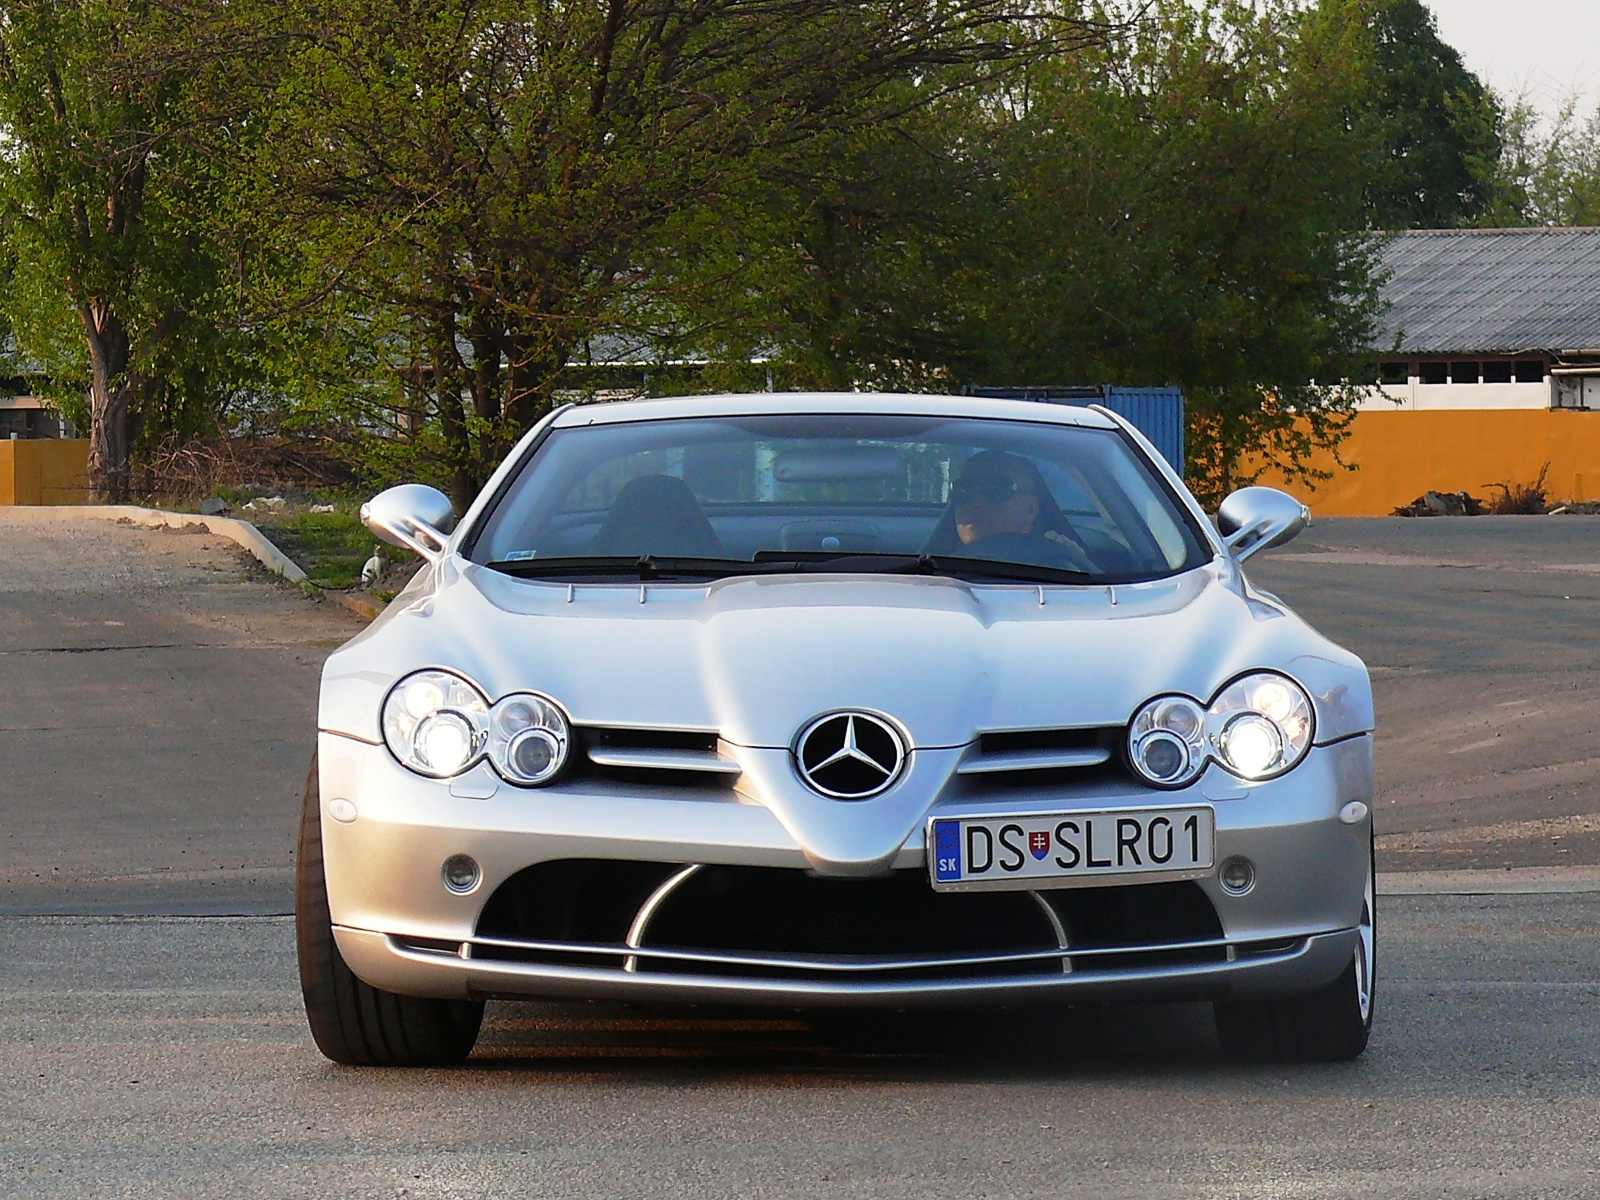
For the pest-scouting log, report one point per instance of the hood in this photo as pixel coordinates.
(756, 658)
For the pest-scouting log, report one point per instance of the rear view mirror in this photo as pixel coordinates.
(412, 515)
(1256, 518)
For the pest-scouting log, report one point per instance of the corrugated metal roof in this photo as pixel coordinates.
(1492, 291)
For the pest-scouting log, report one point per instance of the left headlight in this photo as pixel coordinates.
(1262, 725)
(1257, 727)
(438, 724)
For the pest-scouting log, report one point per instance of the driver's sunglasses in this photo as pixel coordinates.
(989, 489)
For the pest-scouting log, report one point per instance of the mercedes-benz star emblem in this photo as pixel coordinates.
(849, 755)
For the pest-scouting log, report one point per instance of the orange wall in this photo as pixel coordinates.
(1400, 455)
(44, 471)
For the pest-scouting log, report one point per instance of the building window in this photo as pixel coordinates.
(1463, 372)
(1530, 370)
(1433, 372)
(1497, 372)
(1394, 373)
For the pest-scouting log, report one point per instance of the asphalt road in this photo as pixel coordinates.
(1483, 639)
(157, 714)
(156, 698)
(167, 1058)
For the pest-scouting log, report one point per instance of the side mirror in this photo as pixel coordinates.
(1255, 518)
(412, 515)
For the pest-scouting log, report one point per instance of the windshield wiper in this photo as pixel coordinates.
(775, 562)
(644, 567)
(958, 566)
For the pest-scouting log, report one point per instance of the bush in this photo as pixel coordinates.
(1519, 499)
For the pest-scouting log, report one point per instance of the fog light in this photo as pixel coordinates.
(461, 874)
(1238, 876)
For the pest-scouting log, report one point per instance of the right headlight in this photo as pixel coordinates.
(439, 725)
(528, 739)
(1257, 727)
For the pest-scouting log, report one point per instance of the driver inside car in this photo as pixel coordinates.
(1000, 508)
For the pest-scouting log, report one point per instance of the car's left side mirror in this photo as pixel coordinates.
(1255, 518)
(412, 515)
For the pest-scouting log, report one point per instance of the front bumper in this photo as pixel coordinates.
(401, 929)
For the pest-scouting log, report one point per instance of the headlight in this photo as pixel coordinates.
(439, 725)
(1167, 741)
(1258, 727)
(528, 739)
(1263, 725)
(435, 723)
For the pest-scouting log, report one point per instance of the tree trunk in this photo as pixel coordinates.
(112, 388)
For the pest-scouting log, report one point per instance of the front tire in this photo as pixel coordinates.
(1331, 1024)
(353, 1022)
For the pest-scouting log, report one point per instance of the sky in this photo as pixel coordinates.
(1544, 48)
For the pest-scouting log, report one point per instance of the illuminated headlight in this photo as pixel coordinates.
(1263, 725)
(435, 723)
(1258, 727)
(439, 725)
(528, 739)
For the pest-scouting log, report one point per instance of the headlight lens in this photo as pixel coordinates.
(439, 725)
(1263, 725)
(1167, 741)
(528, 739)
(1258, 727)
(435, 723)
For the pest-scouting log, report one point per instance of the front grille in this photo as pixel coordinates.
(1007, 759)
(658, 757)
(770, 923)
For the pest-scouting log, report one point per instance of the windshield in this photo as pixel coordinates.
(727, 495)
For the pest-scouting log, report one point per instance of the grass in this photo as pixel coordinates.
(330, 548)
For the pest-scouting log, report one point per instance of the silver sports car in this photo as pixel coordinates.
(821, 700)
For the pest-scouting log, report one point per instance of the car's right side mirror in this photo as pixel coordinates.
(412, 515)
(1255, 518)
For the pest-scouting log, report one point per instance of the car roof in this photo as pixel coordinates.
(751, 404)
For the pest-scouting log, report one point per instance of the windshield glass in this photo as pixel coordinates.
(845, 492)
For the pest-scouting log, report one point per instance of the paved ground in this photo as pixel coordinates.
(1483, 637)
(157, 697)
(167, 1058)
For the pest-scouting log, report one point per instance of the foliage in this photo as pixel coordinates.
(489, 184)
(1433, 126)
(1549, 172)
(114, 286)
(399, 232)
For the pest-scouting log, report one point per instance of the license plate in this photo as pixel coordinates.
(1061, 849)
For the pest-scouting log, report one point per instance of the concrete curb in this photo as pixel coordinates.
(241, 533)
(1516, 881)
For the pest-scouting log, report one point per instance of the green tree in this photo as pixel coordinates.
(1178, 201)
(492, 183)
(1549, 172)
(93, 184)
(1434, 126)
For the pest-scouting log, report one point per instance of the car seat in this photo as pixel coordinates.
(657, 515)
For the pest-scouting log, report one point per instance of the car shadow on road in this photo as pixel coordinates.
(638, 1043)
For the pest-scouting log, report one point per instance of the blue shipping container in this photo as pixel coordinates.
(1156, 412)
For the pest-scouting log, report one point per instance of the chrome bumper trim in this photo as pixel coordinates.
(859, 963)
(388, 962)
